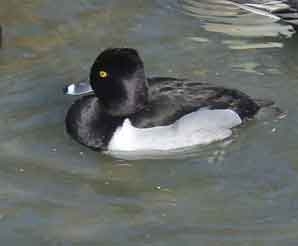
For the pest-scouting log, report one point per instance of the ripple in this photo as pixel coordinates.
(219, 16)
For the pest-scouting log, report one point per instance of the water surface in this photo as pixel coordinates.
(54, 191)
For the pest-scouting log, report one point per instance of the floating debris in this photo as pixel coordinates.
(158, 187)
(21, 170)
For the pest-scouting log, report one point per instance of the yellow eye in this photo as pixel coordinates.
(103, 74)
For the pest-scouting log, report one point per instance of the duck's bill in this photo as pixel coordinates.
(76, 89)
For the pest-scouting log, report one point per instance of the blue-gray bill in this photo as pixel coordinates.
(77, 89)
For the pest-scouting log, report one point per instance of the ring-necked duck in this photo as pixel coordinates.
(286, 10)
(131, 112)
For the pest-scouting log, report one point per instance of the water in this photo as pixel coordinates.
(56, 192)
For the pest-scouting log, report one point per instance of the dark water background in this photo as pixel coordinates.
(54, 191)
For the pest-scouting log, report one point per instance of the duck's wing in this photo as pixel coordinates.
(287, 10)
(170, 99)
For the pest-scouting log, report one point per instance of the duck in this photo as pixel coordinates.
(126, 111)
(284, 10)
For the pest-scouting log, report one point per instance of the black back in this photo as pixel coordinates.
(170, 99)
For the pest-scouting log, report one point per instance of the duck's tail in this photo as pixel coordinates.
(262, 103)
(269, 109)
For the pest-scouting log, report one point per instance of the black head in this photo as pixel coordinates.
(118, 79)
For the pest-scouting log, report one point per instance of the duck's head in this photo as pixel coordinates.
(118, 79)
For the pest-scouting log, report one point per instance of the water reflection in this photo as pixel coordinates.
(224, 17)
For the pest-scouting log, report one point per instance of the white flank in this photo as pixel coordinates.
(200, 127)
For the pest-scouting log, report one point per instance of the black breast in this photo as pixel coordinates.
(87, 123)
(170, 99)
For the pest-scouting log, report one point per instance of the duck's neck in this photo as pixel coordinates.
(88, 123)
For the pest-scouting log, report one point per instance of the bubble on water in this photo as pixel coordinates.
(21, 170)
(158, 187)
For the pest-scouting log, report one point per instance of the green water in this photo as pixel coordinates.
(54, 191)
